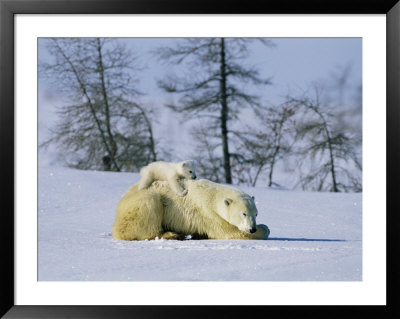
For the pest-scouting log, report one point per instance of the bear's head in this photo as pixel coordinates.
(187, 169)
(240, 211)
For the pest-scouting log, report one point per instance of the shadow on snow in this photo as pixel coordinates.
(306, 239)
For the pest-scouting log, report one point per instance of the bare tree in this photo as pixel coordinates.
(268, 142)
(331, 148)
(103, 126)
(214, 85)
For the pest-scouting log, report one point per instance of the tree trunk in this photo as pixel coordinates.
(334, 185)
(333, 173)
(113, 145)
(332, 163)
(271, 169)
(278, 136)
(150, 130)
(224, 115)
(257, 174)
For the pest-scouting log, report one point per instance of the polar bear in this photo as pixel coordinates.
(209, 210)
(173, 173)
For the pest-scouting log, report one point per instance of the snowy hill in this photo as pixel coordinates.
(314, 237)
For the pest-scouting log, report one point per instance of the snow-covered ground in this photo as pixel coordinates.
(314, 237)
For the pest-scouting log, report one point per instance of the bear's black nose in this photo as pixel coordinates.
(253, 230)
(194, 177)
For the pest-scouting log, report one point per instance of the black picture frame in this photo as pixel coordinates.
(8, 10)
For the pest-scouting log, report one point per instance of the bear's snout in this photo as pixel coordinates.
(194, 177)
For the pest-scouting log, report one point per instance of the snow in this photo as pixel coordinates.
(314, 237)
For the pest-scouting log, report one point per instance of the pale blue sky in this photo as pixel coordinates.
(293, 63)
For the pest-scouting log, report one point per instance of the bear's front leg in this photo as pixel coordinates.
(261, 233)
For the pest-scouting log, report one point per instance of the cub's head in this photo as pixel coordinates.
(188, 169)
(240, 211)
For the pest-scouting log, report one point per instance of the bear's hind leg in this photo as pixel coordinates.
(143, 221)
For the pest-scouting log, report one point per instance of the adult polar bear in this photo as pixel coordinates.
(209, 210)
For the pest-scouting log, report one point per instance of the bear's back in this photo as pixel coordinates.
(192, 213)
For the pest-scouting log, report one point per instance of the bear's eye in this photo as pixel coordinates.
(190, 172)
(244, 214)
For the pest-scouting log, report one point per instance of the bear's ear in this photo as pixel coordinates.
(227, 201)
(188, 163)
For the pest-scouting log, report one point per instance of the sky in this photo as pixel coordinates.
(293, 64)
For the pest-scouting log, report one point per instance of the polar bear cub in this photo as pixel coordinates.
(170, 172)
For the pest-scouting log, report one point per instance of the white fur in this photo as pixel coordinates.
(211, 210)
(173, 173)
